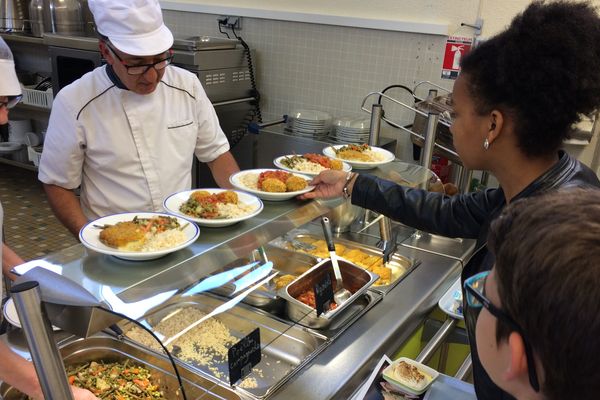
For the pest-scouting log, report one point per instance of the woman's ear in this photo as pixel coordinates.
(496, 123)
(517, 366)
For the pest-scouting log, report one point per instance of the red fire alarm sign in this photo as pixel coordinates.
(456, 48)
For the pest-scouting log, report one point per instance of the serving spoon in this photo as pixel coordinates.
(341, 294)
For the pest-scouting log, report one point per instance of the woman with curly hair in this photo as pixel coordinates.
(514, 103)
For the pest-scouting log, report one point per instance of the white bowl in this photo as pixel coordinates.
(236, 181)
(389, 377)
(89, 236)
(388, 157)
(345, 166)
(10, 313)
(174, 202)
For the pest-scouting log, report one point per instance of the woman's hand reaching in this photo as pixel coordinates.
(328, 184)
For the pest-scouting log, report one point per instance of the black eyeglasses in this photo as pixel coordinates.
(11, 101)
(141, 69)
(474, 289)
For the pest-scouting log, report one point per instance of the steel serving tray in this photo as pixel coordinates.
(107, 348)
(399, 264)
(285, 262)
(285, 347)
(356, 279)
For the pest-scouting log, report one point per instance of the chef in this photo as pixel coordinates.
(126, 133)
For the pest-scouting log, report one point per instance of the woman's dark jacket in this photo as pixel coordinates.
(465, 216)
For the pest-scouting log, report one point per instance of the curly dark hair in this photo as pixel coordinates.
(544, 70)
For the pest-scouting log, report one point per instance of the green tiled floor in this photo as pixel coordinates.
(29, 225)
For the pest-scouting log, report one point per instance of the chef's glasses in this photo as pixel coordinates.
(475, 295)
(141, 69)
(10, 101)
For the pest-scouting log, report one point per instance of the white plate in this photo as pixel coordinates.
(388, 157)
(174, 202)
(10, 313)
(236, 180)
(449, 304)
(90, 236)
(345, 166)
(424, 368)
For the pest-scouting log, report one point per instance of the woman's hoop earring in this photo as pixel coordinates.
(486, 144)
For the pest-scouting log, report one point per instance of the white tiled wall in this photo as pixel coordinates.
(330, 68)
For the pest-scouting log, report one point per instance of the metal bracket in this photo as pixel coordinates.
(476, 27)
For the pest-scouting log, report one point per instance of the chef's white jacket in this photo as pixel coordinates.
(129, 151)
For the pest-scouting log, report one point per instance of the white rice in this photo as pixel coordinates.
(164, 240)
(250, 180)
(234, 210)
(308, 166)
(374, 156)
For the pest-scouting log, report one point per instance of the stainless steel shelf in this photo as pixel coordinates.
(21, 38)
(19, 164)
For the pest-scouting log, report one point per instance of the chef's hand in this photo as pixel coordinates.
(328, 184)
(82, 394)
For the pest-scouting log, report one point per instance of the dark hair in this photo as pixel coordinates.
(547, 251)
(544, 70)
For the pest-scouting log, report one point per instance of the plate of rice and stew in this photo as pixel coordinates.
(138, 236)
(271, 184)
(310, 163)
(213, 207)
(360, 156)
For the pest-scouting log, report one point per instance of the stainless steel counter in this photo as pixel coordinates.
(348, 357)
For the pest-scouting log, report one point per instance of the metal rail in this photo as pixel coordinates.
(436, 341)
(442, 119)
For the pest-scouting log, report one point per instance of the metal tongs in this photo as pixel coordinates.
(341, 294)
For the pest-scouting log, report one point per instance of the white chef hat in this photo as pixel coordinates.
(135, 27)
(9, 83)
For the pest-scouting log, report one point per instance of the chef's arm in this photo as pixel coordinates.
(66, 207)
(222, 167)
(10, 259)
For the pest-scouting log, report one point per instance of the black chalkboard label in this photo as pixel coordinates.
(323, 294)
(244, 355)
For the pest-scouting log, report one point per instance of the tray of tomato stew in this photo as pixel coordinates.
(299, 294)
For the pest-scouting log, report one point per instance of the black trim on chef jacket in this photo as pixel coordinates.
(114, 78)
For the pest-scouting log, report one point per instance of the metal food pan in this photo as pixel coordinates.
(399, 264)
(356, 279)
(109, 349)
(285, 262)
(285, 347)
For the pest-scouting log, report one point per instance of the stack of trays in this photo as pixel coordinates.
(351, 130)
(308, 123)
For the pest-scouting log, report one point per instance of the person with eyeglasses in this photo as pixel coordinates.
(14, 369)
(127, 132)
(514, 103)
(537, 333)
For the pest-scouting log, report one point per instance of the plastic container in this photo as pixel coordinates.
(406, 387)
(35, 154)
(38, 98)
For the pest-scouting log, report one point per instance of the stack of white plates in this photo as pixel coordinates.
(308, 123)
(351, 130)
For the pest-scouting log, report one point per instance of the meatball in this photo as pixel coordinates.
(336, 164)
(198, 195)
(228, 197)
(295, 183)
(273, 185)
